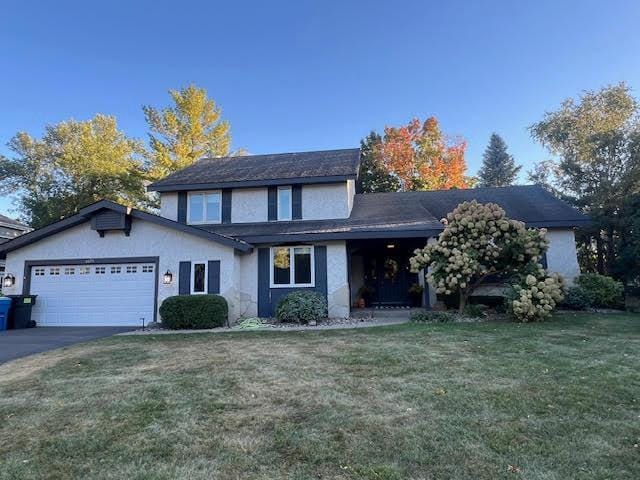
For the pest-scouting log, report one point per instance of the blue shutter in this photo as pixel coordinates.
(184, 278)
(213, 276)
(182, 207)
(296, 202)
(273, 203)
(264, 293)
(226, 205)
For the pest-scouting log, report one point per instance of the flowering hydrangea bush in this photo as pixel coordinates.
(478, 241)
(536, 295)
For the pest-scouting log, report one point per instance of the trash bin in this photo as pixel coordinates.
(21, 311)
(5, 306)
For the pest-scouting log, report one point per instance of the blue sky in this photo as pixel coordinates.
(307, 75)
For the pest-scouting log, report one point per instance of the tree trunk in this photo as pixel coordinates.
(600, 254)
(463, 301)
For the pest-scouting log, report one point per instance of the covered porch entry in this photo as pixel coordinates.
(380, 275)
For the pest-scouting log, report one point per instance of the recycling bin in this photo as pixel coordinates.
(5, 306)
(21, 311)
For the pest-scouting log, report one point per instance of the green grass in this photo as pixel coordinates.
(556, 400)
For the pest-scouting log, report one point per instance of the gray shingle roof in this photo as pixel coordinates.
(9, 221)
(261, 170)
(411, 214)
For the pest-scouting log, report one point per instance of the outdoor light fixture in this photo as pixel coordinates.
(168, 277)
(391, 245)
(8, 280)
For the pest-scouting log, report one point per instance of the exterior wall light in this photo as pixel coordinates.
(168, 278)
(391, 245)
(8, 281)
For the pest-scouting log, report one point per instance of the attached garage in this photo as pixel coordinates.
(100, 294)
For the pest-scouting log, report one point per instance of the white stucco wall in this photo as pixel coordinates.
(169, 205)
(146, 240)
(248, 290)
(249, 205)
(337, 280)
(562, 257)
(351, 192)
(321, 202)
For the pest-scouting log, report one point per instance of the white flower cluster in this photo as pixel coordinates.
(478, 239)
(537, 297)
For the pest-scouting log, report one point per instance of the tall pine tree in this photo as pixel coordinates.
(498, 167)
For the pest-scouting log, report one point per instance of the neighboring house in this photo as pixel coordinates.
(9, 229)
(253, 229)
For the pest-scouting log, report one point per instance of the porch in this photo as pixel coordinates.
(380, 276)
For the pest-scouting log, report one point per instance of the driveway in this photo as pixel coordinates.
(27, 341)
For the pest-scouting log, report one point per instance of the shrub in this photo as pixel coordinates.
(576, 298)
(301, 307)
(603, 291)
(432, 316)
(535, 296)
(474, 311)
(194, 311)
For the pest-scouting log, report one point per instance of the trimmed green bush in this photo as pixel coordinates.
(194, 311)
(576, 298)
(603, 291)
(432, 316)
(301, 307)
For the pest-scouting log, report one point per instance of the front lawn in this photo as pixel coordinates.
(557, 400)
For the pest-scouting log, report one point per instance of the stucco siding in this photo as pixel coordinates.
(146, 240)
(562, 257)
(169, 205)
(322, 202)
(248, 291)
(337, 280)
(249, 205)
(351, 192)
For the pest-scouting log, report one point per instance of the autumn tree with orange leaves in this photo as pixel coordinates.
(419, 156)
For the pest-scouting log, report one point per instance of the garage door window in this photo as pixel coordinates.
(38, 272)
(54, 271)
(101, 270)
(199, 280)
(147, 269)
(84, 270)
(116, 269)
(132, 268)
(69, 271)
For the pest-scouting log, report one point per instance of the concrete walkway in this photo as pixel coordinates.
(293, 328)
(27, 341)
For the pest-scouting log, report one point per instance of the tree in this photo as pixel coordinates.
(422, 158)
(185, 132)
(74, 164)
(374, 177)
(479, 241)
(546, 174)
(498, 167)
(597, 140)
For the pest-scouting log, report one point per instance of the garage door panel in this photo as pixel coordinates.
(73, 295)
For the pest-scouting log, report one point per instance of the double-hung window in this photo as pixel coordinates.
(292, 267)
(284, 203)
(205, 207)
(198, 278)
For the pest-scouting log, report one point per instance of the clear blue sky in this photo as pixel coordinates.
(306, 75)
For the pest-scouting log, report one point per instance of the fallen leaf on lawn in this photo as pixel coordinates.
(441, 391)
(513, 469)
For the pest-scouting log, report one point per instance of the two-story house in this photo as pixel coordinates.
(252, 229)
(9, 229)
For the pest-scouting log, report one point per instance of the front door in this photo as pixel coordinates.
(388, 277)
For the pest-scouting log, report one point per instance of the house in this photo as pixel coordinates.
(9, 229)
(253, 229)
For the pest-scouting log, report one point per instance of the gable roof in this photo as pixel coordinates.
(411, 214)
(11, 223)
(262, 170)
(86, 213)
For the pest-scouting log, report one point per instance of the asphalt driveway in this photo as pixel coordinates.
(20, 343)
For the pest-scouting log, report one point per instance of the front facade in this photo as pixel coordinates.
(254, 229)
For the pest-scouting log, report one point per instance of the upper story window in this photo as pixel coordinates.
(205, 207)
(284, 203)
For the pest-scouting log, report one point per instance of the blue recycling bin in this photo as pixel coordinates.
(5, 305)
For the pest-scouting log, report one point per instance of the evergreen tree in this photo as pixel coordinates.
(374, 177)
(498, 167)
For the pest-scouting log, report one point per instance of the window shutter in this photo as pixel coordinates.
(273, 203)
(296, 202)
(213, 280)
(226, 205)
(264, 292)
(182, 207)
(184, 278)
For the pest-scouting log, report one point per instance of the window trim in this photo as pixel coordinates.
(192, 280)
(292, 268)
(204, 194)
(279, 210)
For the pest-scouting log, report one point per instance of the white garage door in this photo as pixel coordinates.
(93, 295)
